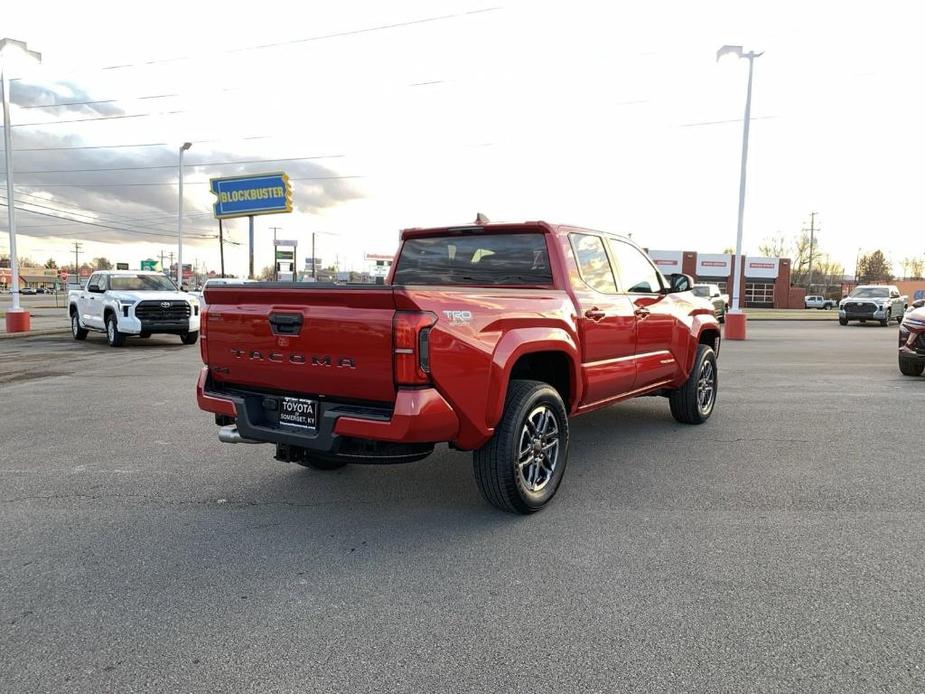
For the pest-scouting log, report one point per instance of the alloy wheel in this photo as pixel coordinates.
(538, 449)
(706, 387)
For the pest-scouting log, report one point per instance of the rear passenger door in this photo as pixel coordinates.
(605, 320)
(656, 332)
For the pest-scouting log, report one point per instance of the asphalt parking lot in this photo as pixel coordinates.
(780, 547)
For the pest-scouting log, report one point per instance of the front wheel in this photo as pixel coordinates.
(693, 402)
(78, 332)
(190, 337)
(113, 336)
(519, 470)
(843, 321)
(910, 367)
(886, 321)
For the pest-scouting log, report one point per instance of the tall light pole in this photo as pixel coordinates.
(735, 321)
(17, 320)
(185, 146)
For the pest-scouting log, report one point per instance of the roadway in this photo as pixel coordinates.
(779, 547)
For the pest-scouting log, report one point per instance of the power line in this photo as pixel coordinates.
(293, 42)
(144, 144)
(95, 224)
(166, 183)
(174, 165)
(94, 215)
(87, 120)
(99, 101)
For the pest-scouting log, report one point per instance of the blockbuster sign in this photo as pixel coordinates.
(242, 196)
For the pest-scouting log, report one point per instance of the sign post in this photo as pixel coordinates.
(250, 195)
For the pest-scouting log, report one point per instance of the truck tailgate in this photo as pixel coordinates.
(327, 341)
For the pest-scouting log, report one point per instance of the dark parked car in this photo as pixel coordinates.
(912, 341)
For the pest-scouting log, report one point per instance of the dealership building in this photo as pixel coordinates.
(765, 281)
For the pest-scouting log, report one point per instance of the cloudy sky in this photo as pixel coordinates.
(412, 113)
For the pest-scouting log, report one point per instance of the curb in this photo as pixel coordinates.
(35, 333)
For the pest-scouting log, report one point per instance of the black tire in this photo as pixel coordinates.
(722, 317)
(144, 336)
(78, 332)
(517, 458)
(899, 318)
(886, 321)
(190, 337)
(323, 463)
(910, 367)
(693, 402)
(843, 321)
(113, 337)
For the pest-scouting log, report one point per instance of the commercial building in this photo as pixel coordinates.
(765, 281)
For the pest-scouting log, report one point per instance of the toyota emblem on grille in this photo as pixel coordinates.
(165, 304)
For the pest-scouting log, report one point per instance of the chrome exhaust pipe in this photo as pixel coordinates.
(230, 434)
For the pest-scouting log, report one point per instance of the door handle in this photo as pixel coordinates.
(595, 313)
(642, 312)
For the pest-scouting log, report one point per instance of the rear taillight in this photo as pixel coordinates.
(411, 340)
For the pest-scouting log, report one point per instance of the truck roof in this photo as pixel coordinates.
(130, 272)
(501, 227)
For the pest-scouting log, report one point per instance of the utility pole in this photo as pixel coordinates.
(77, 247)
(812, 240)
(170, 255)
(221, 246)
(162, 260)
(314, 262)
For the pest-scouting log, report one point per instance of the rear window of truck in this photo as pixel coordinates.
(476, 260)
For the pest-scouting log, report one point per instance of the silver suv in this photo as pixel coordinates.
(880, 302)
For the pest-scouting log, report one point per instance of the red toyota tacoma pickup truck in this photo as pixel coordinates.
(487, 337)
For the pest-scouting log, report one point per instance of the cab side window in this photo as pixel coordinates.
(636, 272)
(593, 264)
(93, 284)
(102, 282)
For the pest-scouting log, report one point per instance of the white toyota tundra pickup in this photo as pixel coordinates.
(125, 303)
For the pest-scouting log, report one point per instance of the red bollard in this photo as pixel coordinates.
(735, 326)
(18, 321)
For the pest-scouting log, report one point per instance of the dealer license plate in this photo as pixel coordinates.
(297, 412)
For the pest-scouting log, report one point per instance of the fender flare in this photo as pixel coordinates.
(699, 324)
(515, 344)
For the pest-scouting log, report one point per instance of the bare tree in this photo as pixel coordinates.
(913, 268)
(775, 246)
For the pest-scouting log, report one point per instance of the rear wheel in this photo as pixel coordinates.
(113, 336)
(693, 402)
(910, 367)
(520, 468)
(144, 335)
(899, 318)
(190, 337)
(78, 332)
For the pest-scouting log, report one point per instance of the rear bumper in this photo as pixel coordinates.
(418, 416)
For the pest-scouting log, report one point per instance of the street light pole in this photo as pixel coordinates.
(17, 320)
(185, 146)
(736, 328)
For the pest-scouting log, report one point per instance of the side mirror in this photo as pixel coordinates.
(918, 303)
(680, 282)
